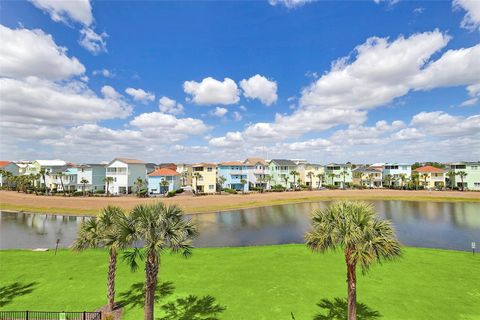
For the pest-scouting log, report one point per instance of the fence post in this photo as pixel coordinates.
(26, 315)
(84, 316)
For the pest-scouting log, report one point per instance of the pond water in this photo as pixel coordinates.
(446, 225)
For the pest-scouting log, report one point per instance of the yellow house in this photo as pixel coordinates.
(204, 178)
(311, 175)
(431, 177)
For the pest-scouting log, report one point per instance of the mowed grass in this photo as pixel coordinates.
(267, 282)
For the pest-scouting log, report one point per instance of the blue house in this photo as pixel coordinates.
(231, 174)
(163, 180)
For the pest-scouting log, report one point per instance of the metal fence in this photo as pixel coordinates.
(47, 315)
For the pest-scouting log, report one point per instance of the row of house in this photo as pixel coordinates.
(123, 175)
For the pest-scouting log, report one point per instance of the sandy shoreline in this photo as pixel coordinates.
(14, 201)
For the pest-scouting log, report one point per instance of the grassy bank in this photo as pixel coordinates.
(257, 282)
(13, 201)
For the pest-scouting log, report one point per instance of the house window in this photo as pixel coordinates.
(209, 169)
(476, 184)
(211, 187)
(474, 167)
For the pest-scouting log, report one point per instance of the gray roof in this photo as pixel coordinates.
(283, 162)
(366, 170)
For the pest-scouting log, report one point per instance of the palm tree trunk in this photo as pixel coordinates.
(151, 271)
(352, 289)
(112, 268)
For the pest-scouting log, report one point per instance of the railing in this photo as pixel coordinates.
(49, 315)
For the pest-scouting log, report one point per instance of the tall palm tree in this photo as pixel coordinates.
(267, 178)
(138, 186)
(462, 175)
(294, 174)
(415, 179)
(425, 176)
(103, 232)
(108, 180)
(363, 237)
(344, 174)
(60, 176)
(310, 175)
(451, 178)
(159, 228)
(33, 178)
(403, 178)
(164, 183)
(243, 182)
(43, 173)
(388, 180)
(221, 181)
(320, 177)
(285, 178)
(84, 183)
(331, 175)
(196, 176)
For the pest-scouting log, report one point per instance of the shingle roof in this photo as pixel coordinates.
(255, 161)
(234, 163)
(130, 161)
(429, 169)
(203, 164)
(367, 170)
(4, 163)
(284, 162)
(163, 172)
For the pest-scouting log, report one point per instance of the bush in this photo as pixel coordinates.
(77, 193)
(171, 194)
(278, 188)
(99, 192)
(231, 191)
(331, 186)
(179, 191)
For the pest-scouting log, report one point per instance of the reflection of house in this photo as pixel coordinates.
(257, 176)
(186, 172)
(367, 177)
(204, 178)
(471, 180)
(311, 175)
(9, 168)
(280, 170)
(431, 177)
(235, 175)
(94, 174)
(163, 180)
(338, 174)
(125, 173)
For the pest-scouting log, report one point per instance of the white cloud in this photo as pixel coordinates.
(48, 61)
(211, 91)
(103, 72)
(309, 145)
(140, 95)
(289, 3)
(168, 105)
(471, 21)
(259, 87)
(92, 41)
(237, 116)
(219, 112)
(229, 140)
(440, 123)
(158, 123)
(64, 11)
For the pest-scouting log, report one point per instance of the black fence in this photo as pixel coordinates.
(47, 315)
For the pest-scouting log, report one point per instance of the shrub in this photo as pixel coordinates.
(77, 193)
(331, 186)
(179, 190)
(231, 191)
(171, 194)
(99, 192)
(278, 188)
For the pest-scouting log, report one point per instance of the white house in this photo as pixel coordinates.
(124, 173)
(50, 168)
(94, 173)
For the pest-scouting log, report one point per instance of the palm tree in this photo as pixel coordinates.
(294, 174)
(197, 176)
(164, 183)
(462, 174)
(451, 178)
(84, 182)
(32, 179)
(221, 181)
(108, 180)
(344, 174)
(320, 177)
(43, 173)
(60, 176)
(370, 179)
(267, 178)
(285, 177)
(425, 176)
(331, 175)
(103, 232)
(364, 239)
(415, 179)
(388, 180)
(159, 228)
(402, 177)
(243, 182)
(310, 175)
(138, 186)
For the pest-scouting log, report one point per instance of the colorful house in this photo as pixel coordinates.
(94, 173)
(431, 177)
(204, 177)
(311, 175)
(163, 180)
(338, 174)
(367, 176)
(7, 168)
(125, 173)
(49, 168)
(234, 175)
(470, 172)
(396, 174)
(280, 172)
(186, 173)
(66, 179)
(259, 175)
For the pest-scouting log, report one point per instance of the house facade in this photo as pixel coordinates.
(280, 172)
(338, 174)
(431, 177)
(65, 180)
(186, 172)
(234, 175)
(471, 181)
(10, 168)
(368, 177)
(124, 173)
(204, 179)
(259, 175)
(393, 173)
(163, 180)
(49, 168)
(94, 174)
(311, 175)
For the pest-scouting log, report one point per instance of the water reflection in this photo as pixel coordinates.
(424, 224)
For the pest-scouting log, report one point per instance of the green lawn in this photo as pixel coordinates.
(258, 282)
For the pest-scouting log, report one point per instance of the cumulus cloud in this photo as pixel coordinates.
(237, 116)
(48, 60)
(219, 112)
(229, 140)
(211, 91)
(289, 3)
(103, 72)
(157, 123)
(471, 20)
(168, 105)
(140, 95)
(259, 87)
(92, 41)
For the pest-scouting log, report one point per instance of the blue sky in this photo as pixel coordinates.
(242, 78)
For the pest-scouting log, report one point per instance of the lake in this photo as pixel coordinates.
(446, 225)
